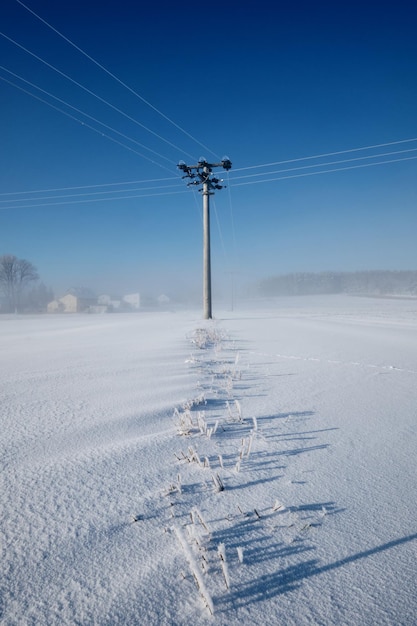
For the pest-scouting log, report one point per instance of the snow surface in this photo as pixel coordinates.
(259, 468)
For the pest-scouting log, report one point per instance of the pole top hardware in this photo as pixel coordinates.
(202, 172)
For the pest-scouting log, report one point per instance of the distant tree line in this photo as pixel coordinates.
(20, 287)
(376, 282)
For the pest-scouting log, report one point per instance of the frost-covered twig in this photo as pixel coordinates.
(218, 483)
(196, 515)
(195, 571)
(235, 413)
(240, 554)
(194, 456)
(221, 551)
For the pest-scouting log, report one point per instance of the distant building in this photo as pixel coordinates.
(112, 304)
(76, 300)
(133, 299)
(55, 307)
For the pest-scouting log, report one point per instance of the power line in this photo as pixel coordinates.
(112, 106)
(53, 204)
(197, 204)
(122, 191)
(83, 123)
(232, 220)
(132, 182)
(83, 113)
(135, 182)
(152, 180)
(135, 93)
(93, 193)
(329, 163)
(339, 169)
(318, 156)
(252, 182)
(219, 228)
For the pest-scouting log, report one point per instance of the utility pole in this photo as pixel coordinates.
(201, 174)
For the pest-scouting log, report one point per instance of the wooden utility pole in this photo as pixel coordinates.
(201, 174)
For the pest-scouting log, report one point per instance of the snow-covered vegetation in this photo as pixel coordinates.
(259, 468)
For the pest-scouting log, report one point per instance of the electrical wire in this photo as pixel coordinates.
(219, 228)
(318, 156)
(132, 182)
(53, 204)
(329, 163)
(339, 169)
(197, 204)
(136, 182)
(83, 123)
(104, 69)
(180, 128)
(92, 93)
(244, 168)
(328, 171)
(232, 220)
(72, 202)
(83, 113)
(93, 193)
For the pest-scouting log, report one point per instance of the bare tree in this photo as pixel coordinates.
(15, 275)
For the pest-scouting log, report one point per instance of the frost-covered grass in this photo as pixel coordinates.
(258, 468)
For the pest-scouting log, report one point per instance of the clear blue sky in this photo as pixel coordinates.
(258, 82)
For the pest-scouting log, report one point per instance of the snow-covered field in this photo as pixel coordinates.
(260, 468)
